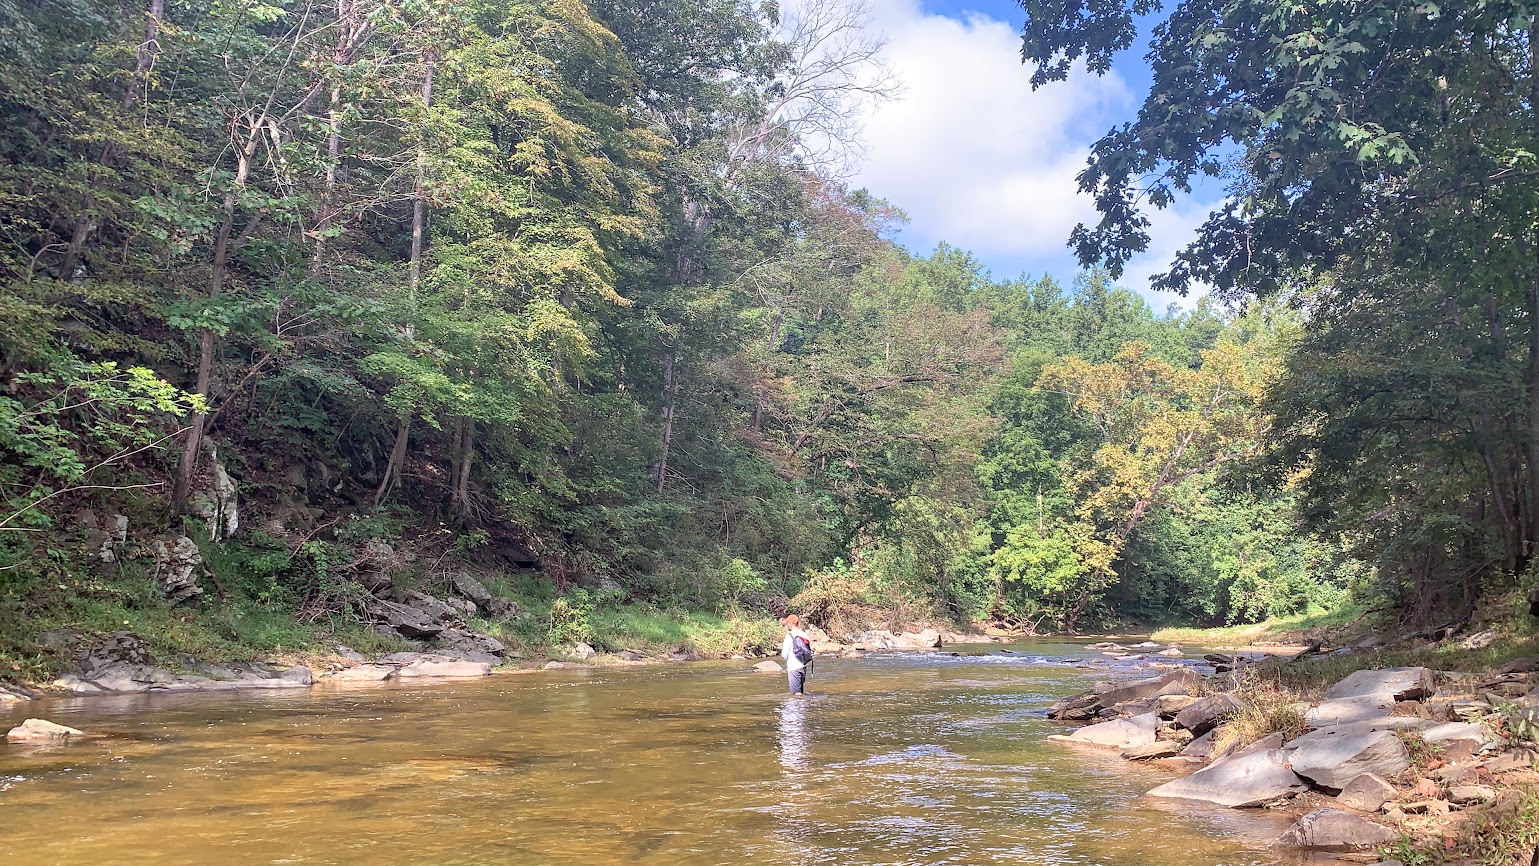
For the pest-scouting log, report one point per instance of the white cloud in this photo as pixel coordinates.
(980, 160)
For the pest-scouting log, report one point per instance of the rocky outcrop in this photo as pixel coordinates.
(42, 731)
(1333, 830)
(119, 662)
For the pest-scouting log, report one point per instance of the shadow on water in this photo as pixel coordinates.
(893, 760)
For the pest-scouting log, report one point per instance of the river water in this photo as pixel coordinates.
(895, 759)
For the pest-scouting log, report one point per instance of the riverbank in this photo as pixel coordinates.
(1419, 750)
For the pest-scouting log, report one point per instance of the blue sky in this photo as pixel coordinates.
(980, 160)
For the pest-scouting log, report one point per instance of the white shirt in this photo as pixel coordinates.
(788, 653)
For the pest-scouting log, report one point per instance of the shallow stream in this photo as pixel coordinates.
(894, 759)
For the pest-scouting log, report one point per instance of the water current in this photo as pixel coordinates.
(899, 760)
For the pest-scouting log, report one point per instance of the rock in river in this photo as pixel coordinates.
(1117, 733)
(1335, 830)
(767, 667)
(1250, 778)
(41, 731)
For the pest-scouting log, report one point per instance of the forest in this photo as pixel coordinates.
(576, 296)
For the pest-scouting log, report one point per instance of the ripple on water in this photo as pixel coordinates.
(894, 760)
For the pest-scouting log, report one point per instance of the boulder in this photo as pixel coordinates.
(581, 652)
(554, 666)
(41, 731)
(471, 590)
(1366, 793)
(429, 606)
(631, 656)
(1170, 705)
(1368, 694)
(1336, 831)
(1202, 747)
(1466, 794)
(1368, 726)
(1461, 740)
(1117, 733)
(463, 641)
(1203, 715)
(1332, 763)
(768, 667)
(1152, 751)
(362, 674)
(1174, 682)
(178, 565)
(402, 619)
(1248, 779)
(423, 669)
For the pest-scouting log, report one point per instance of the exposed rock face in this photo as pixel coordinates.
(41, 731)
(216, 500)
(118, 663)
(1245, 780)
(471, 589)
(1332, 763)
(1369, 694)
(403, 619)
(1335, 830)
(1366, 726)
(1366, 793)
(178, 564)
(465, 642)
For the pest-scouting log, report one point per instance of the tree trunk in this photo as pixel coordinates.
(671, 392)
(397, 460)
(467, 457)
(195, 430)
(419, 197)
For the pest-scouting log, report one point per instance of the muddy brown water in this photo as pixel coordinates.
(898, 760)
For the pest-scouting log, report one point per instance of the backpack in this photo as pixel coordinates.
(801, 649)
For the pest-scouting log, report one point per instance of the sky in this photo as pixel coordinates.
(978, 159)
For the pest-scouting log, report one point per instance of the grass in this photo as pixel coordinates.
(1266, 707)
(1280, 630)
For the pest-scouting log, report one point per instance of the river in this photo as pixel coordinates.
(893, 759)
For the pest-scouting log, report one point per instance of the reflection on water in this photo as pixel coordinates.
(896, 760)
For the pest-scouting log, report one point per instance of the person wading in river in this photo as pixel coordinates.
(798, 657)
